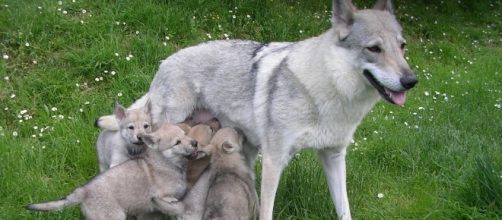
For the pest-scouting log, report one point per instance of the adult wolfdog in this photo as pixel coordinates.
(288, 96)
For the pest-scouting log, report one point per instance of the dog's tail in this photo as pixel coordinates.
(110, 122)
(73, 199)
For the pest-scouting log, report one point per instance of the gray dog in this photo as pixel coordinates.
(292, 95)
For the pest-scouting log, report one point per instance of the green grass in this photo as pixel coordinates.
(439, 157)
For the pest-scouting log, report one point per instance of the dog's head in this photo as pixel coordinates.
(374, 37)
(133, 123)
(202, 133)
(226, 141)
(171, 141)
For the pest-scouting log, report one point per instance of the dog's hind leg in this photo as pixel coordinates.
(273, 165)
(333, 162)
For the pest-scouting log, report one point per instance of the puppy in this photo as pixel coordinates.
(231, 193)
(116, 147)
(202, 133)
(154, 181)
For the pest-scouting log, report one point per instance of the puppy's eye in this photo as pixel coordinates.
(403, 46)
(146, 126)
(178, 142)
(374, 49)
(131, 127)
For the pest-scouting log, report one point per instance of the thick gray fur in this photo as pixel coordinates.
(289, 96)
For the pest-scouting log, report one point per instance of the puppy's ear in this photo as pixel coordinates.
(214, 124)
(185, 127)
(384, 5)
(149, 140)
(120, 111)
(148, 107)
(228, 147)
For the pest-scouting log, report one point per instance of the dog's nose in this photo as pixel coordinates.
(193, 143)
(409, 81)
(139, 138)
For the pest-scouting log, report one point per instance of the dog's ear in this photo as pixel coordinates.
(384, 5)
(228, 147)
(149, 140)
(214, 124)
(343, 17)
(148, 107)
(120, 111)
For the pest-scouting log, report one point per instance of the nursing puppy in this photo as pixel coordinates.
(116, 147)
(154, 181)
(231, 194)
(202, 133)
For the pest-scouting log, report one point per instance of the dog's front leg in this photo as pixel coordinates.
(333, 162)
(273, 164)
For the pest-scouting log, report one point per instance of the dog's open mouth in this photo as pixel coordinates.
(397, 98)
(193, 155)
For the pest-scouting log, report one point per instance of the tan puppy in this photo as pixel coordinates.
(202, 133)
(151, 182)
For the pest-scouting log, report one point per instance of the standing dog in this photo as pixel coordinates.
(289, 96)
(116, 147)
(154, 181)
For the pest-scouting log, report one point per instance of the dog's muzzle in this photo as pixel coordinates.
(408, 81)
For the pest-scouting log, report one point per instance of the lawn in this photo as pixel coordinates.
(64, 63)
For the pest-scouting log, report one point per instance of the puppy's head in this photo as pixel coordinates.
(227, 141)
(171, 141)
(202, 133)
(133, 123)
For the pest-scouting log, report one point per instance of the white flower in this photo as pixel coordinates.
(13, 96)
(22, 112)
(27, 44)
(78, 141)
(426, 93)
(14, 133)
(60, 2)
(54, 109)
(380, 195)
(137, 32)
(119, 94)
(84, 11)
(87, 103)
(65, 12)
(128, 58)
(233, 16)
(5, 57)
(116, 54)
(35, 127)
(113, 73)
(34, 62)
(81, 110)
(6, 78)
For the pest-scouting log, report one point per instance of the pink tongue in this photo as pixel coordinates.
(398, 97)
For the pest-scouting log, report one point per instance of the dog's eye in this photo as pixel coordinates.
(146, 126)
(403, 46)
(178, 142)
(374, 49)
(131, 127)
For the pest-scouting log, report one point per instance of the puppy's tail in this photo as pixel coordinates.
(71, 200)
(107, 122)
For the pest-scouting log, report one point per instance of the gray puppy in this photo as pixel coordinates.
(152, 182)
(231, 194)
(116, 147)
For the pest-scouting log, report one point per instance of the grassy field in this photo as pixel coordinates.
(64, 63)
